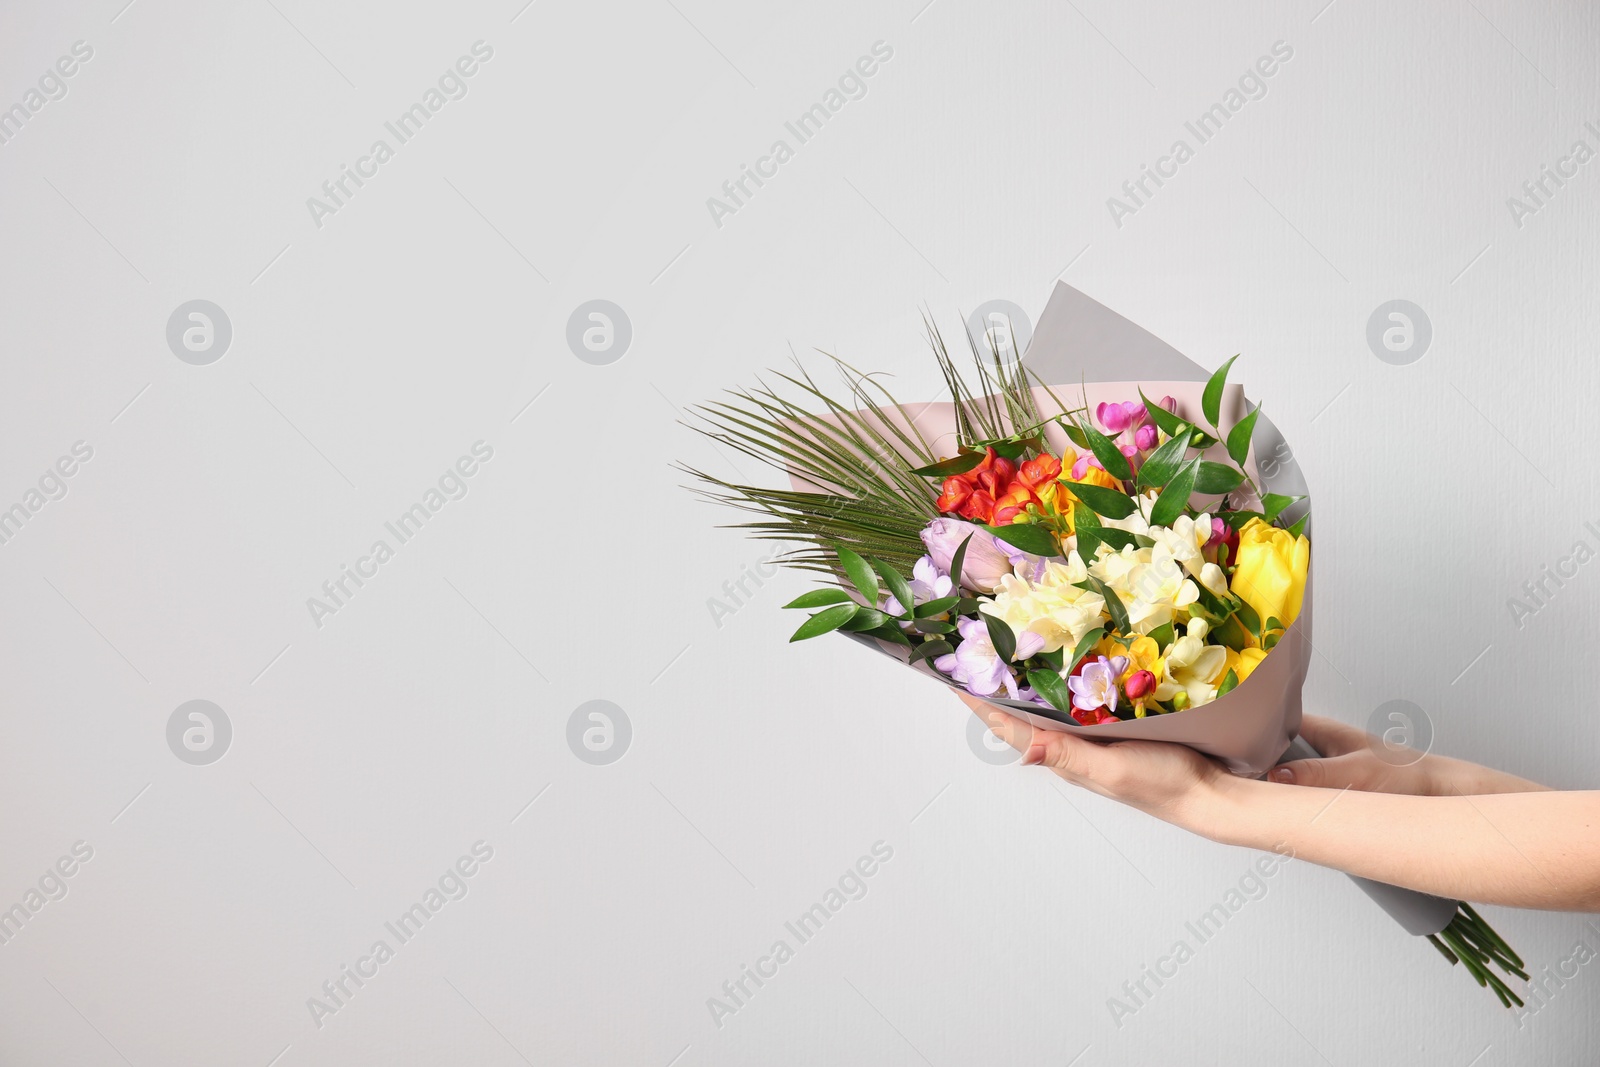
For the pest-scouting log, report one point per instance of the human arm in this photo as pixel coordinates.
(1537, 849)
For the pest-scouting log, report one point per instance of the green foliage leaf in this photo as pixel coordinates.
(898, 586)
(825, 621)
(1300, 527)
(1053, 660)
(1211, 399)
(1049, 685)
(1107, 452)
(1117, 539)
(1273, 623)
(1085, 643)
(933, 626)
(1165, 420)
(1112, 503)
(1247, 615)
(957, 560)
(1029, 537)
(1114, 606)
(1215, 479)
(1165, 461)
(936, 607)
(1239, 436)
(960, 463)
(891, 632)
(930, 649)
(1163, 635)
(859, 573)
(1229, 680)
(1232, 633)
(1237, 520)
(818, 598)
(867, 618)
(1175, 497)
(1273, 504)
(1001, 636)
(1074, 433)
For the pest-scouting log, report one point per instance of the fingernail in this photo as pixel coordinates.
(1282, 774)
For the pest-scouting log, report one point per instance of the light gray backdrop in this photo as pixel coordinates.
(367, 745)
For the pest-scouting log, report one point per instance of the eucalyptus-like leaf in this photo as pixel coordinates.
(1049, 685)
(957, 560)
(1211, 399)
(1163, 635)
(1085, 643)
(930, 649)
(818, 598)
(898, 586)
(957, 464)
(1229, 680)
(825, 621)
(1001, 637)
(1175, 497)
(1112, 503)
(867, 618)
(890, 632)
(1215, 479)
(1170, 424)
(859, 573)
(1273, 504)
(1114, 606)
(1239, 436)
(1029, 537)
(933, 626)
(1165, 461)
(936, 607)
(1107, 452)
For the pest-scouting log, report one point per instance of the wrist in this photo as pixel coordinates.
(1216, 808)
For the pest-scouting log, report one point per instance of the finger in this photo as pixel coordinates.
(1008, 728)
(1352, 770)
(1332, 737)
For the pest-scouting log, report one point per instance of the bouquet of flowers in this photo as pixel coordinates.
(1112, 561)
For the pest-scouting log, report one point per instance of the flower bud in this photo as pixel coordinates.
(1141, 685)
(1180, 700)
(1145, 437)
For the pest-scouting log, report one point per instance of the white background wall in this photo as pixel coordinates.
(370, 352)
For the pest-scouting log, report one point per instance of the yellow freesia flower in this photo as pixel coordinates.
(1271, 572)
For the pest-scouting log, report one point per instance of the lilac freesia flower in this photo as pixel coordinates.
(928, 582)
(1096, 687)
(988, 558)
(976, 664)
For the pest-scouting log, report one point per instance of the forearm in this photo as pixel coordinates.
(1448, 777)
(1523, 849)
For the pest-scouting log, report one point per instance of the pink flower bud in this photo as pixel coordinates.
(1114, 417)
(1144, 438)
(1141, 685)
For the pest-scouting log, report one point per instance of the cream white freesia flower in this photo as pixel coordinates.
(1183, 540)
(1156, 589)
(1052, 606)
(1137, 522)
(1212, 578)
(1192, 667)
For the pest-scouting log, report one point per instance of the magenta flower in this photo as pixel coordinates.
(1118, 417)
(1145, 437)
(1096, 687)
(1081, 467)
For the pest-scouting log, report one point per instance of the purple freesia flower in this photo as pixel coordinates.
(1096, 687)
(928, 582)
(976, 664)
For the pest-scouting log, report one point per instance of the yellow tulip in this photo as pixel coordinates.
(1271, 571)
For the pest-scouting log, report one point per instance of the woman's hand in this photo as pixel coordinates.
(1351, 760)
(1166, 780)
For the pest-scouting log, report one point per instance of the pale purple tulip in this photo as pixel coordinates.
(1096, 687)
(976, 664)
(988, 558)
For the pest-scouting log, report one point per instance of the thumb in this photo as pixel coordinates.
(1351, 771)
